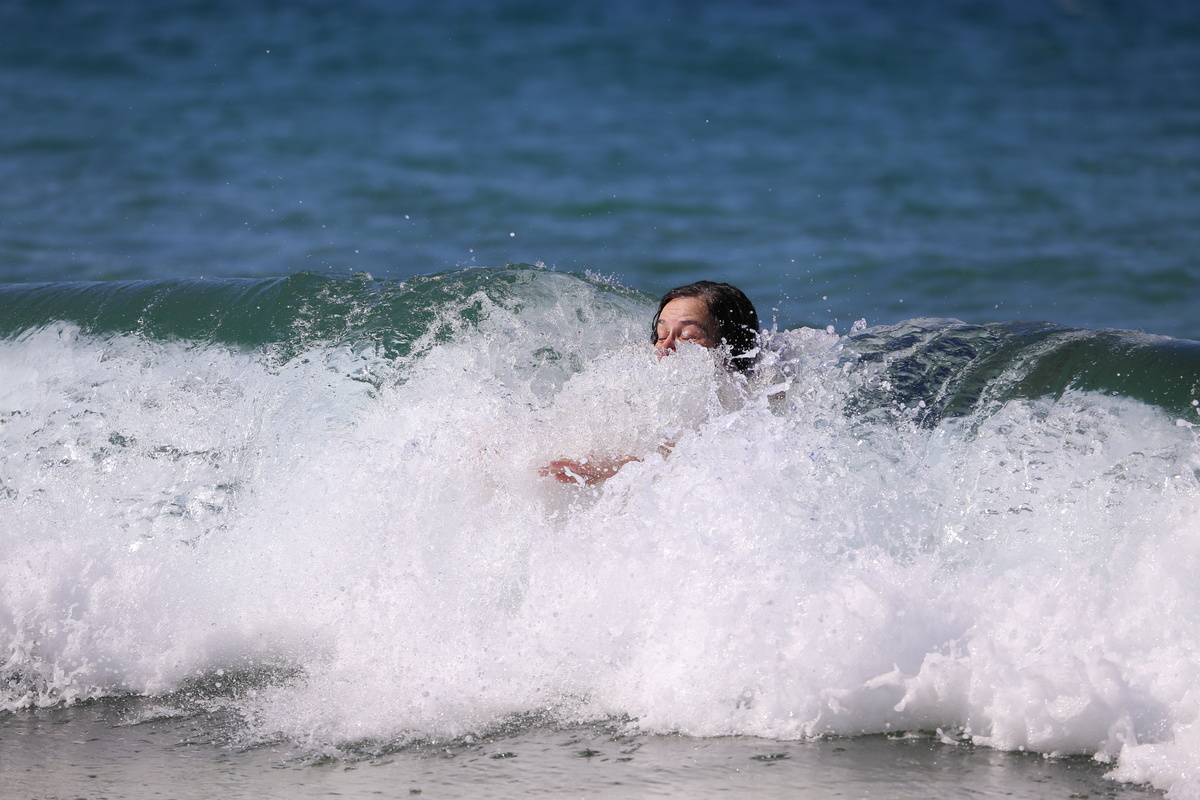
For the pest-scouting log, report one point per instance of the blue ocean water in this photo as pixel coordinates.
(298, 297)
(1029, 159)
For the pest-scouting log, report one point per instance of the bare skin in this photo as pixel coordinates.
(684, 319)
(584, 471)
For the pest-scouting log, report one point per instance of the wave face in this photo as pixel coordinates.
(316, 504)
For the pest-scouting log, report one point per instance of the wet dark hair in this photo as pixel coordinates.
(737, 321)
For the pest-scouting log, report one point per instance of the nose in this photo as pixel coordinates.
(667, 345)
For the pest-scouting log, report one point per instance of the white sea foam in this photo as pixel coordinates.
(1028, 579)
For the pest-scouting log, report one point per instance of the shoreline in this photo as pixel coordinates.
(89, 751)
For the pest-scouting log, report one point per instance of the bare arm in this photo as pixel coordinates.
(584, 471)
(591, 471)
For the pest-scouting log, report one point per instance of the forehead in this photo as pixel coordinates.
(685, 309)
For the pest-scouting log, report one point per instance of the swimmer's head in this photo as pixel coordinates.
(709, 314)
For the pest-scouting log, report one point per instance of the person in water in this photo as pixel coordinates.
(705, 313)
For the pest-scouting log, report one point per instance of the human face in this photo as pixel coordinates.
(685, 319)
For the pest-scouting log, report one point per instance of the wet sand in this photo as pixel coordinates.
(97, 751)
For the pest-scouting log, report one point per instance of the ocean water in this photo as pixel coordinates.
(298, 297)
(1027, 159)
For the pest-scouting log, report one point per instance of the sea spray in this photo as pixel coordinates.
(351, 546)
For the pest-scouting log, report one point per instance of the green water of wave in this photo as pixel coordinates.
(937, 368)
(288, 314)
(946, 368)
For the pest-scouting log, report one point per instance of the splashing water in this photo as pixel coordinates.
(348, 544)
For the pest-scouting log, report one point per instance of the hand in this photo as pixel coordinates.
(584, 471)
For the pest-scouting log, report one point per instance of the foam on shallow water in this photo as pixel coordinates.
(354, 565)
